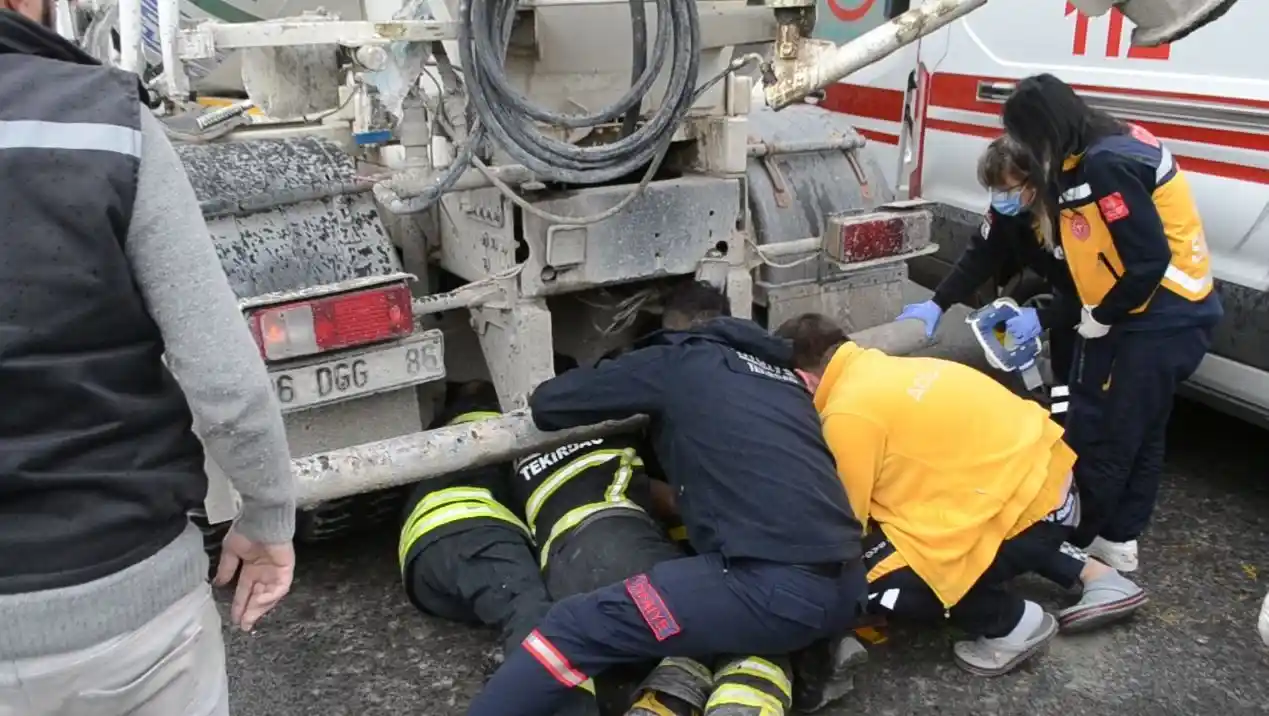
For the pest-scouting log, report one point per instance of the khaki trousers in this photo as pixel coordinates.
(172, 666)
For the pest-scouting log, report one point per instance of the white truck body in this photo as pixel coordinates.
(1199, 95)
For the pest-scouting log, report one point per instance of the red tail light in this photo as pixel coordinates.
(305, 328)
(852, 238)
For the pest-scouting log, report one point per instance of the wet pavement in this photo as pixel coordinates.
(347, 643)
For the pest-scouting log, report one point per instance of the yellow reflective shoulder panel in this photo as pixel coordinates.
(452, 505)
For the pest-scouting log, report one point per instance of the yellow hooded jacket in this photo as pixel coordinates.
(949, 462)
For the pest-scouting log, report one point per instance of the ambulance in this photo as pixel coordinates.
(930, 110)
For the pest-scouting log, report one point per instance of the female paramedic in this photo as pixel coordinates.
(1133, 240)
(1009, 241)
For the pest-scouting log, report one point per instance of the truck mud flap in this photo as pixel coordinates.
(288, 213)
(812, 163)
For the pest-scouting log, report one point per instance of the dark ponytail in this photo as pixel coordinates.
(1047, 117)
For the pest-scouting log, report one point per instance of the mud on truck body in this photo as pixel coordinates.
(451, 191)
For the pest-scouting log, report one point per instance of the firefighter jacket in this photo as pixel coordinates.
(474, 497)
(563, 488)
(946, 460)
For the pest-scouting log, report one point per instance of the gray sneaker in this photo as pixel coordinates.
(996, 657)
(1105, 600)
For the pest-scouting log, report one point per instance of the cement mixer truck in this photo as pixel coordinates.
(407, 194)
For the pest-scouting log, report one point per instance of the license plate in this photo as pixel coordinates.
(419, 359)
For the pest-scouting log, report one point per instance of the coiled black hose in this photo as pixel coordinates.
(509, 117)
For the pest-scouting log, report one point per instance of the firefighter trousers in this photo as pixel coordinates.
(1122, 388)
(488, 575)
(693, 607)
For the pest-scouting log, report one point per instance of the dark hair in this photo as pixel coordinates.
(814, 336)
(1051, 122)
(694, 302)
(1004, 158)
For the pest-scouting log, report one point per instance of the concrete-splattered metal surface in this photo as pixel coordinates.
(288, 213)
(790, 194)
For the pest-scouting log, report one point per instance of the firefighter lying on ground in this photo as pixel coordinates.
(779, 564)
(963, 486)
(584, 521)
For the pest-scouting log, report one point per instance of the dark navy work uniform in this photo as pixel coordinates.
(779, 564)
(1135, 246)
(1003, 246)
(467, 557)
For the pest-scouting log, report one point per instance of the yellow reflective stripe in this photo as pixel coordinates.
(621, 481)
(473, 416)
(588, 686)
(1177, 275)
(574, 517)
(561, 476)
(448, 496)
(758, 668)
(678, 534)
(448, 515)
(740, 695)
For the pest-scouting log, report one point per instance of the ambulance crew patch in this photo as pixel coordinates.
(1113, 207)
(1143, 135)
(651, 607)
(1080, 228)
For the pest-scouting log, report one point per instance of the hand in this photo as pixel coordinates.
(1089, 327)
(928, 312)
(267, 570)
(1025, 326)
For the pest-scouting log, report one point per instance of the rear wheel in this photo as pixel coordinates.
(349, 515)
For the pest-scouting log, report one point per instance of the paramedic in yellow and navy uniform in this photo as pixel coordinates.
(1134, 243)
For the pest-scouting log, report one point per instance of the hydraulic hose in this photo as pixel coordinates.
(509, 117)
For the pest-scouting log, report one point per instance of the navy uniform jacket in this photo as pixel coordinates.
(736, 433)
(1003, 246)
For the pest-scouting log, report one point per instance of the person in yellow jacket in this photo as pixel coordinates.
(1120, 210)
(962, 486)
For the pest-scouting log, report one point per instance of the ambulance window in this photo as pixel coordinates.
(895, 8)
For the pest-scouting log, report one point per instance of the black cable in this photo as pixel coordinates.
(639, 46)
(509, 117)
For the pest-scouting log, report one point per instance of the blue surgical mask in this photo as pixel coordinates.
(1008, 203)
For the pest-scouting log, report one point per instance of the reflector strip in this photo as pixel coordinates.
(552, 660)
(75, 136)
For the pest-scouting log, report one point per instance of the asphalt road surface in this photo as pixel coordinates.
(346, 642)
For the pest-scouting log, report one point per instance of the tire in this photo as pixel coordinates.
(349, 515)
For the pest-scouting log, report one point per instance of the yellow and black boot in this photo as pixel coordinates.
(676, 687)
(752, 686)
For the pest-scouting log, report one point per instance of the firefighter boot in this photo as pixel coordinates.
(752, 686)
(825, 672)
(676, 687)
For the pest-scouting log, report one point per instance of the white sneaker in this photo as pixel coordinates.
(1121, 556)
(1263, 625)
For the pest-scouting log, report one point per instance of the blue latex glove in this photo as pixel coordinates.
(928, 312)
(1025, 326)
